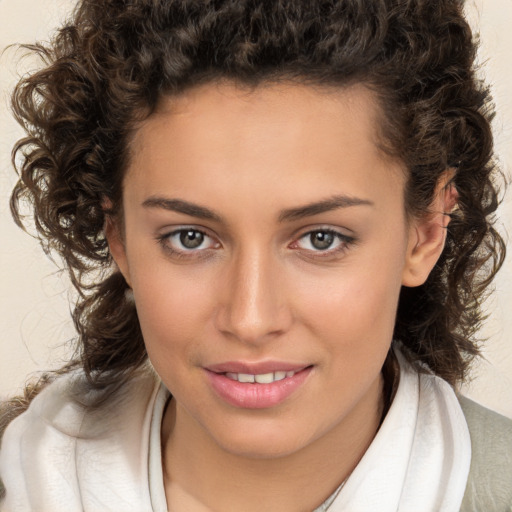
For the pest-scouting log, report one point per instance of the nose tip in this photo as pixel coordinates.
(254, 308)
(250, 323)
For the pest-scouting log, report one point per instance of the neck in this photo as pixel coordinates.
(200, 475)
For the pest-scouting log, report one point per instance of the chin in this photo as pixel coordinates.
(261, 448)
(263, 440)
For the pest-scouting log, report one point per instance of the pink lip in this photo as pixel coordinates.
(254, 395)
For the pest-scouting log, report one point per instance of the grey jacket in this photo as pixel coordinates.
(489, 487)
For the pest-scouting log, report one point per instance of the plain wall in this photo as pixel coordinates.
(34, 306)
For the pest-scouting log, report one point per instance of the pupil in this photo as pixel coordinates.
(191, 239)
(322, 240)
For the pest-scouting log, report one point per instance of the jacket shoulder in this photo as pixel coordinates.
(489, 484)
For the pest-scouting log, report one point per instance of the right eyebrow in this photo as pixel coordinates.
(180, 206)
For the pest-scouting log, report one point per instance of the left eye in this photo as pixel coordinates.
(322, 240)
(189, 239)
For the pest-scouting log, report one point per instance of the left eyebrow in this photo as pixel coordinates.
(326, 205)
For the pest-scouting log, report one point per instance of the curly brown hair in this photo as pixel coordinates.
(110, 65)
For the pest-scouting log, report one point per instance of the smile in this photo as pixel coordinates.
(257, 390)
(262, 378)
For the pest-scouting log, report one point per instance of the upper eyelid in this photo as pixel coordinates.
(318, 226)
(336, 231)
(304, 230)
(168, 232)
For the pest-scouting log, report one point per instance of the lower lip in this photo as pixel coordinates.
(254, 395)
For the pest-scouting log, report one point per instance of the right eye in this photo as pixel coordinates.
(187, 241)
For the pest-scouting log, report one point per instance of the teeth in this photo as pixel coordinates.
(262, 378)
(280, 375)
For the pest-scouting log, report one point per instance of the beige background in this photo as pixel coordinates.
(34, 307)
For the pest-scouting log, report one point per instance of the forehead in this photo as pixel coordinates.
(265, 96)
(298, 138)
(273, 105)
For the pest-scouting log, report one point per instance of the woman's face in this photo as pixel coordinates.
(265, 240)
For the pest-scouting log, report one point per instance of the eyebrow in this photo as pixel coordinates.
(180, 206)
(332, 203)
(291, 214)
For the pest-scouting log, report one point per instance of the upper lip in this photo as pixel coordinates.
(255, 368)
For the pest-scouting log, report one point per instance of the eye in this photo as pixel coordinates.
(321, 240)
(191, 238)
(326, 241)
(186, 241)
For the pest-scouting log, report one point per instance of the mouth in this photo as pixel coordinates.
(259, 389)
(261, 378)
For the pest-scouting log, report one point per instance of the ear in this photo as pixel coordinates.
(115, 239)
(427, 235)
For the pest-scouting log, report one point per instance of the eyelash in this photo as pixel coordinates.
(164, 241)
(345, 242)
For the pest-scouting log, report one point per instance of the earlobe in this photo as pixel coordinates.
(427, 235)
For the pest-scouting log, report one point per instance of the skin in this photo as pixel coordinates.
(257, 289)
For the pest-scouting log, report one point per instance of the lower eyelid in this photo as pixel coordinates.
(344, 244)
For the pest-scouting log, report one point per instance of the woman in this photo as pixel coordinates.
(280, 215)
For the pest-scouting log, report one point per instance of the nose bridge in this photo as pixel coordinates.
(254, 308)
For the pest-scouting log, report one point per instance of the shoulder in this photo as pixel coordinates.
(489, 484)
(71, 407)
(70, 448)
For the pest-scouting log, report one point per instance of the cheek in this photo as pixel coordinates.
(173, 318)
(352, 298)
(173, 307)
(353, 309)
(353, 323)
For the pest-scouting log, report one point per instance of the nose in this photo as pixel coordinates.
(253, 308)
